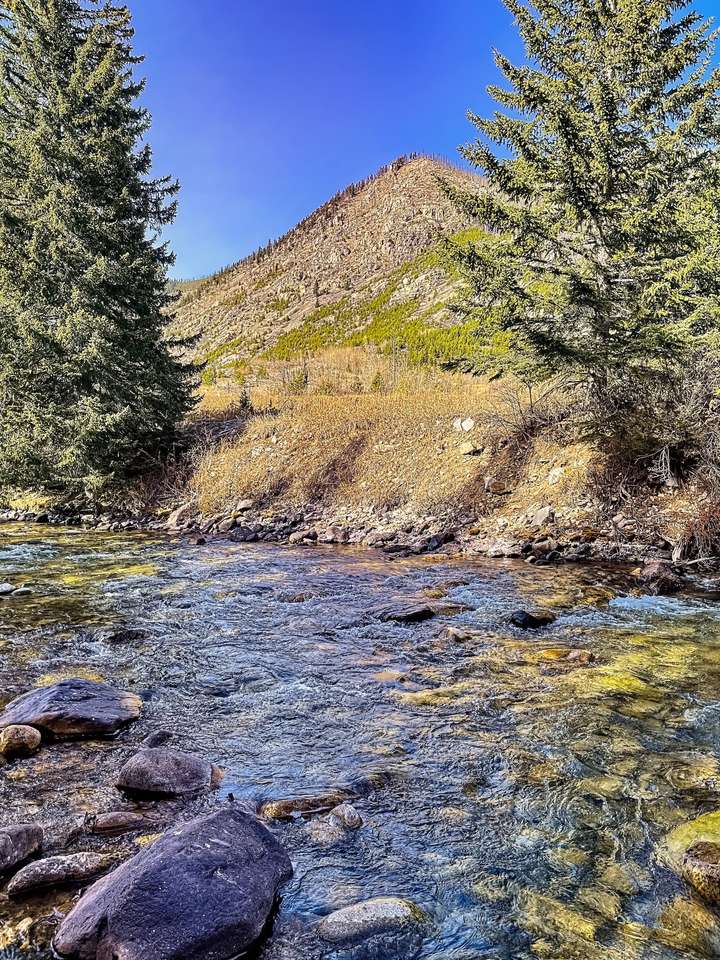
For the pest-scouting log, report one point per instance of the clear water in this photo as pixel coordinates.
(517, 797)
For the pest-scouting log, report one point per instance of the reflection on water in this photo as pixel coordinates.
(516, 795)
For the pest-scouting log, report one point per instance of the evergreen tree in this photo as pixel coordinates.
(89, 387)
(601, 259)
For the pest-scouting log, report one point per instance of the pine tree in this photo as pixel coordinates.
(90, 388)
(601, 260)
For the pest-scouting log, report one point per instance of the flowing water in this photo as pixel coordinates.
(517, 797)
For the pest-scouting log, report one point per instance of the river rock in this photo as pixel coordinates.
(180, 517)
(346, 815)
(19, 741)
(660, 579)
(6, 589)
(122, 635)
(73, 708)
(379, 918)
(701, 869)
(17, 843)
(119, 822)
(295, 807)
(406, 612)
(203, 891)
(531, 621)
(341, 821)
(75, 869)
(160, 771)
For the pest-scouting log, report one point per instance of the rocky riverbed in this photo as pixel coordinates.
(370, 755)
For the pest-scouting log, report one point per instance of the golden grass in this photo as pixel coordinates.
(384, 450)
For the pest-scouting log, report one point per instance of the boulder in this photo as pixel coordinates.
(73, 708)
(660, 579)
(18, 843)
(379, 918)
(203, 891)
(531, 621)
(163, 772)
(6, 589)
(180, 517)
(336, 826)
(72, 870)
(19, 741)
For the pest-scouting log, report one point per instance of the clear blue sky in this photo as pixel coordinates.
(265, 109)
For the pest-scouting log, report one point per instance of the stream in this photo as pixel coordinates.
(516, 796)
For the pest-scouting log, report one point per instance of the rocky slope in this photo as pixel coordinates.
(364, 245)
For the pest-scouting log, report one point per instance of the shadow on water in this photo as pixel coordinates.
(516, 796)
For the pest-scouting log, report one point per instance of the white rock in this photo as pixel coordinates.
(542, 516)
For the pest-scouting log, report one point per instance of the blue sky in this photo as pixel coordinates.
(264, 110)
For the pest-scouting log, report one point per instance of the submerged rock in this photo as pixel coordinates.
(531, 621)
(414, 611)
(74, 708)
(157, 771)
(341, 821)
(122, 635)
(701, 869)
(406, 613)
(19, 741)
(17, 843)
(379, 918)
(203, 891)
(75, 869)
(295, 807)
(346, 815)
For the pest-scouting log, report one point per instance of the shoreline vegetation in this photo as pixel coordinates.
(443, 462)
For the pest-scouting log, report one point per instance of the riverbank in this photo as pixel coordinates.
(444, 463)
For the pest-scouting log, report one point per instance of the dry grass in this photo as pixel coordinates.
(381, 449)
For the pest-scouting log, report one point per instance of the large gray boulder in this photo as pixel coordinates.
(17, 843)
(162, 772)
(204, 891)
(73, 708)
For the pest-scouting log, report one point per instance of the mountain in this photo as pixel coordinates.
(361, 266)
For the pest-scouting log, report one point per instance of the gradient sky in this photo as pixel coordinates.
(264, 110)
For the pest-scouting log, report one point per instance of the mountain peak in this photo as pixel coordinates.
(343, 250)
